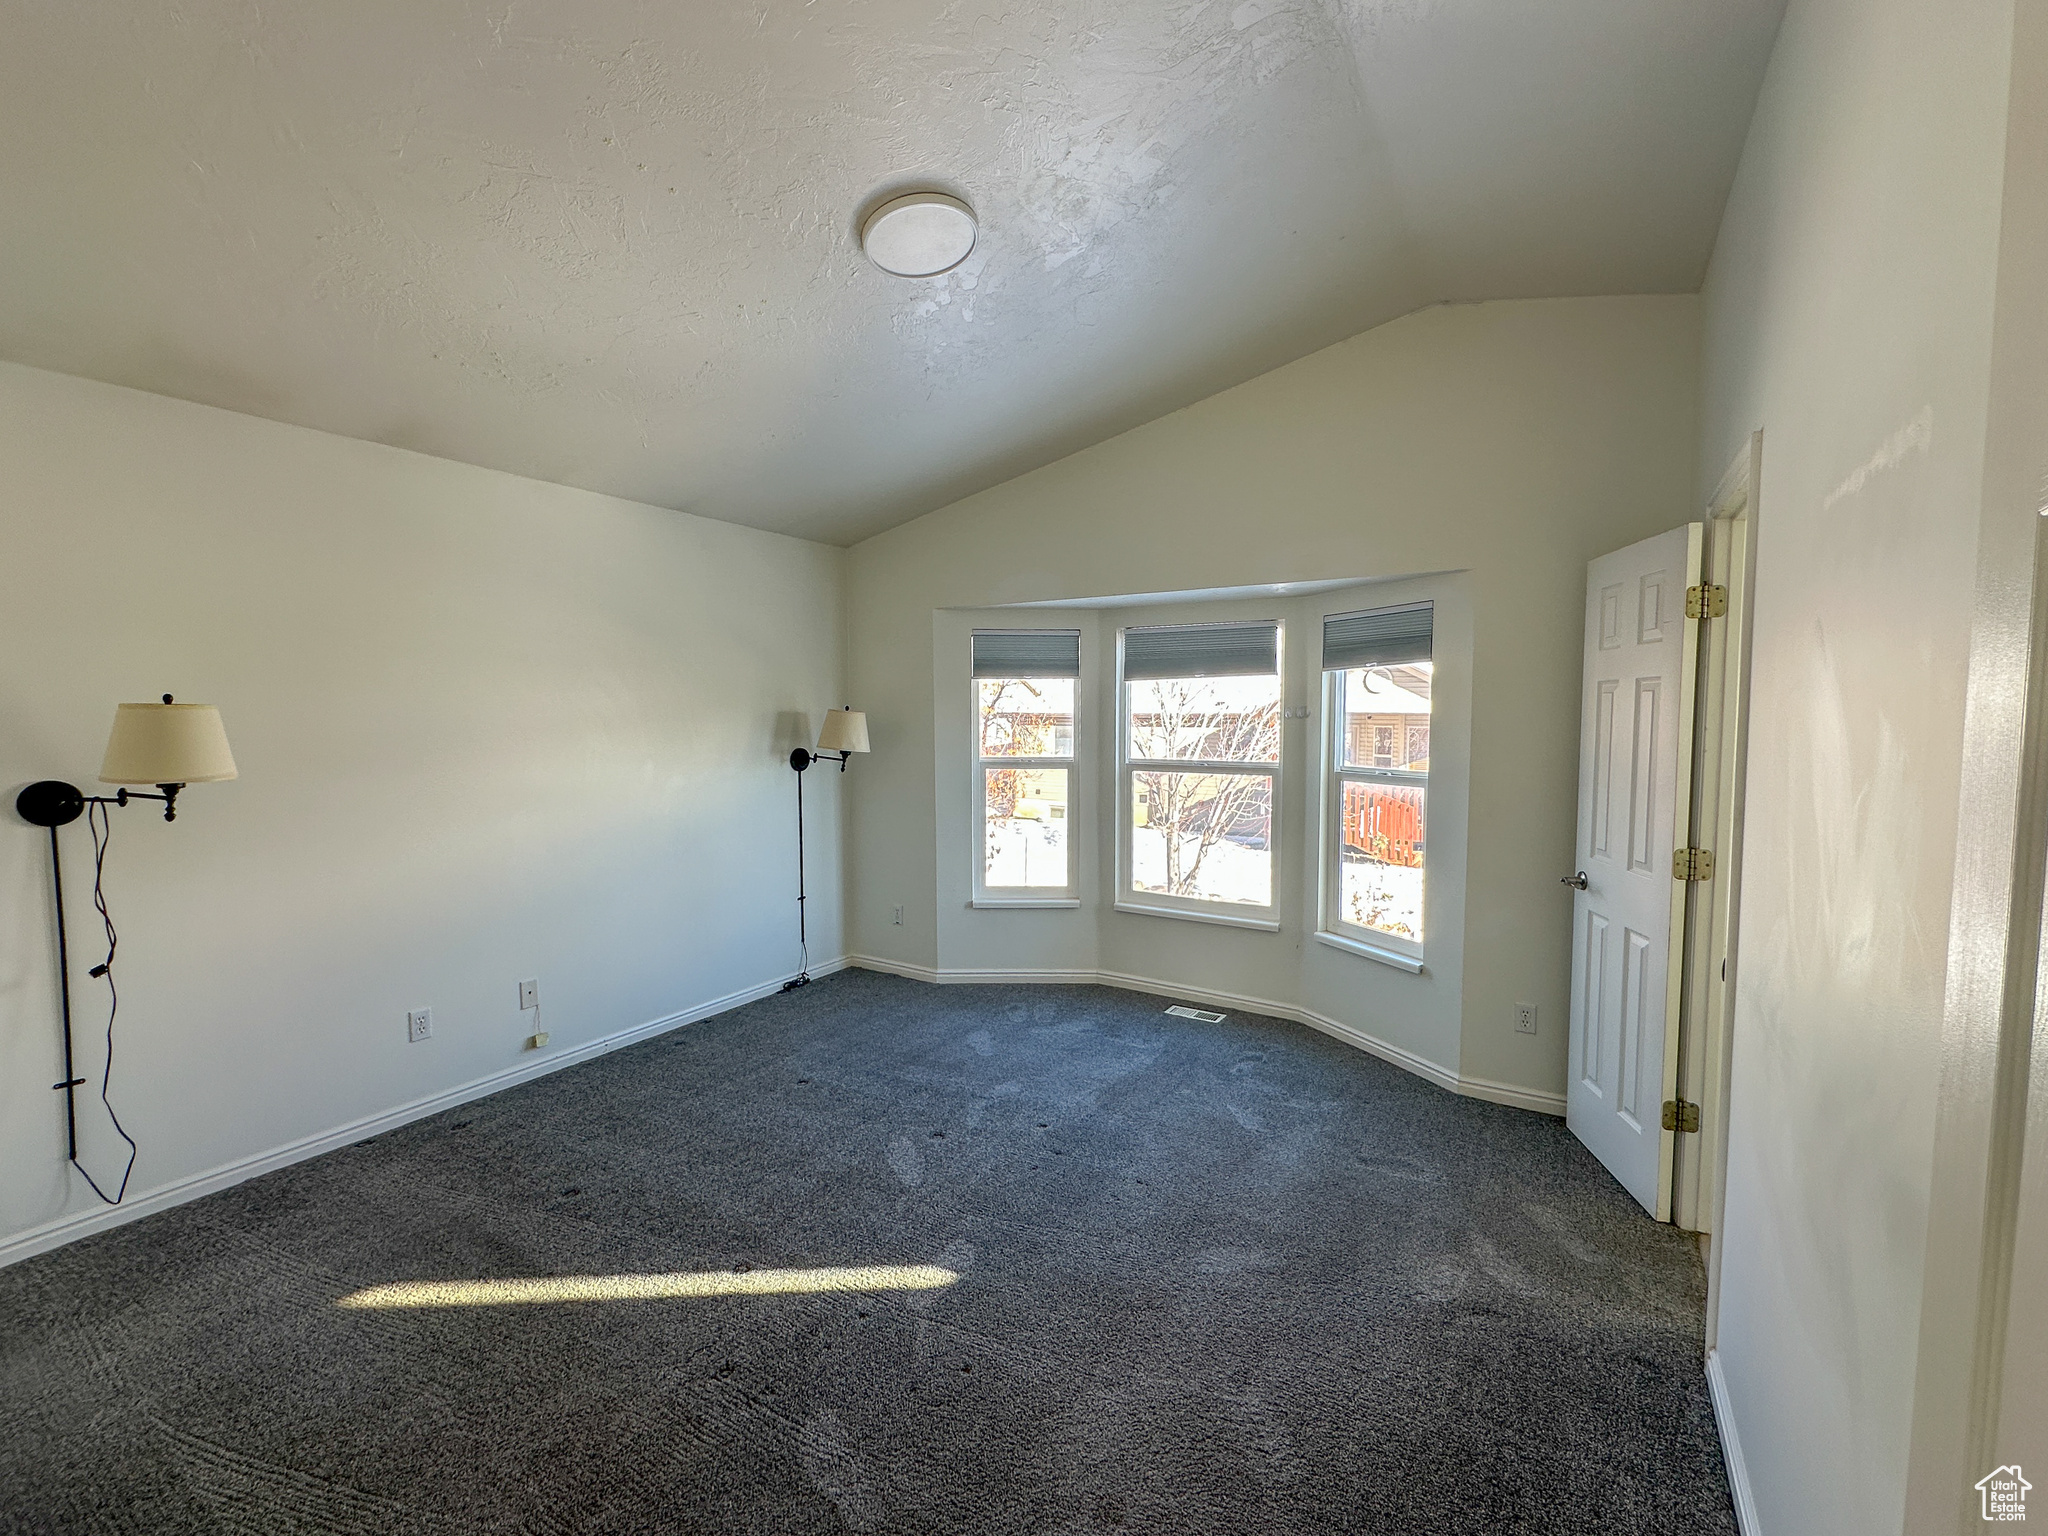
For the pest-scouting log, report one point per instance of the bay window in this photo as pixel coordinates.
(1025, 805)
(1199, 762)
(1378, 673)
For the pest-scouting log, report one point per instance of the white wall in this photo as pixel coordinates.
(488, 729)
(1848, 313)
(1511, 442)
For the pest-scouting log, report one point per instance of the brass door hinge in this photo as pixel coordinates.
(1681, 1116)
(1708, 600)
(1692, 863)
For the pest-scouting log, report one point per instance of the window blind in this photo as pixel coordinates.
(1027, 653)
(1201, 650)
(1379, 637)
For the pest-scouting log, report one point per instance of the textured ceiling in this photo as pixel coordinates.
(611, 243)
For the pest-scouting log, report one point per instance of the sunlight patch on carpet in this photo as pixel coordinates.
(554, 1288)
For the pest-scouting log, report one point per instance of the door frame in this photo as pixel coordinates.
(1721, 742)
(1993, 1044)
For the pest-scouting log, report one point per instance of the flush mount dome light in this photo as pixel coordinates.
(919, 235)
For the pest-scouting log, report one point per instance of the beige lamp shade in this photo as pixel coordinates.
(845, 730)
(167, 744)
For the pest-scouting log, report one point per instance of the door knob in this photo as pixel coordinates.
(1576, 882)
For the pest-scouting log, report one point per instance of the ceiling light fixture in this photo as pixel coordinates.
(919, 235)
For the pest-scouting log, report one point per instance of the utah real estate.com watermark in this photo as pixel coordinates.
(2005, 1494)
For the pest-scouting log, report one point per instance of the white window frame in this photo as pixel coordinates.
(1332, 928)
(1231, 914)
(1024, 897)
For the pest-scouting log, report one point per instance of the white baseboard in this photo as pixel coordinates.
(896, 968)
(67, 1229)
(1512, 1094)
(1471, 1087)
(1731, 1449)
(1373, 1045)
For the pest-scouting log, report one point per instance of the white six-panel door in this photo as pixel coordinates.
(1635, 759)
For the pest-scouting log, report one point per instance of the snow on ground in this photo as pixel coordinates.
(1228, 872)
(1026, 853)
(1386, 897)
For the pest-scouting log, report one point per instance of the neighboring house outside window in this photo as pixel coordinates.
(1378, 679)
(1199, 759)
(1024, 802)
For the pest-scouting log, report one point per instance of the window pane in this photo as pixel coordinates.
(1224, 719)
(1025, 827)
(1206, 836)
(1386, 716)
(1027, 717)
(1381, 882)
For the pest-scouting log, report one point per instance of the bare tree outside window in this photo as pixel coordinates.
(1199, 833)
(1027, 717)
(1025, 731)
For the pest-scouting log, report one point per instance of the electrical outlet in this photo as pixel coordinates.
(419, 1024)
(896, 916)
(529, 994)
(1525, 1018)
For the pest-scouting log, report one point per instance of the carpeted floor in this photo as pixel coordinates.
(1212, 1278)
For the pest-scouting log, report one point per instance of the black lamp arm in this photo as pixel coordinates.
(801, 759)
(53, 803)
(169, 798)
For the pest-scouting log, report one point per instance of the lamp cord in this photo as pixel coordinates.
(101, 826)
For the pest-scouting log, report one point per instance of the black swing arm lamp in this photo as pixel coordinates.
(844, 733)
(168, 745)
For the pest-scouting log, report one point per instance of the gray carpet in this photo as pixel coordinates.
(1213, 1278)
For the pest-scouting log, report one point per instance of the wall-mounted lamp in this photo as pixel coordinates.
(169, 745)
(844, 733)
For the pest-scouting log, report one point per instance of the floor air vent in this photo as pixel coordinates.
(1195, 1013)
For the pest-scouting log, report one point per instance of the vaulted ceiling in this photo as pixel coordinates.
(612, 243)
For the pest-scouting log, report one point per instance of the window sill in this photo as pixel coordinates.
(1025, 903)
(1260, 924)
(1400, 962)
